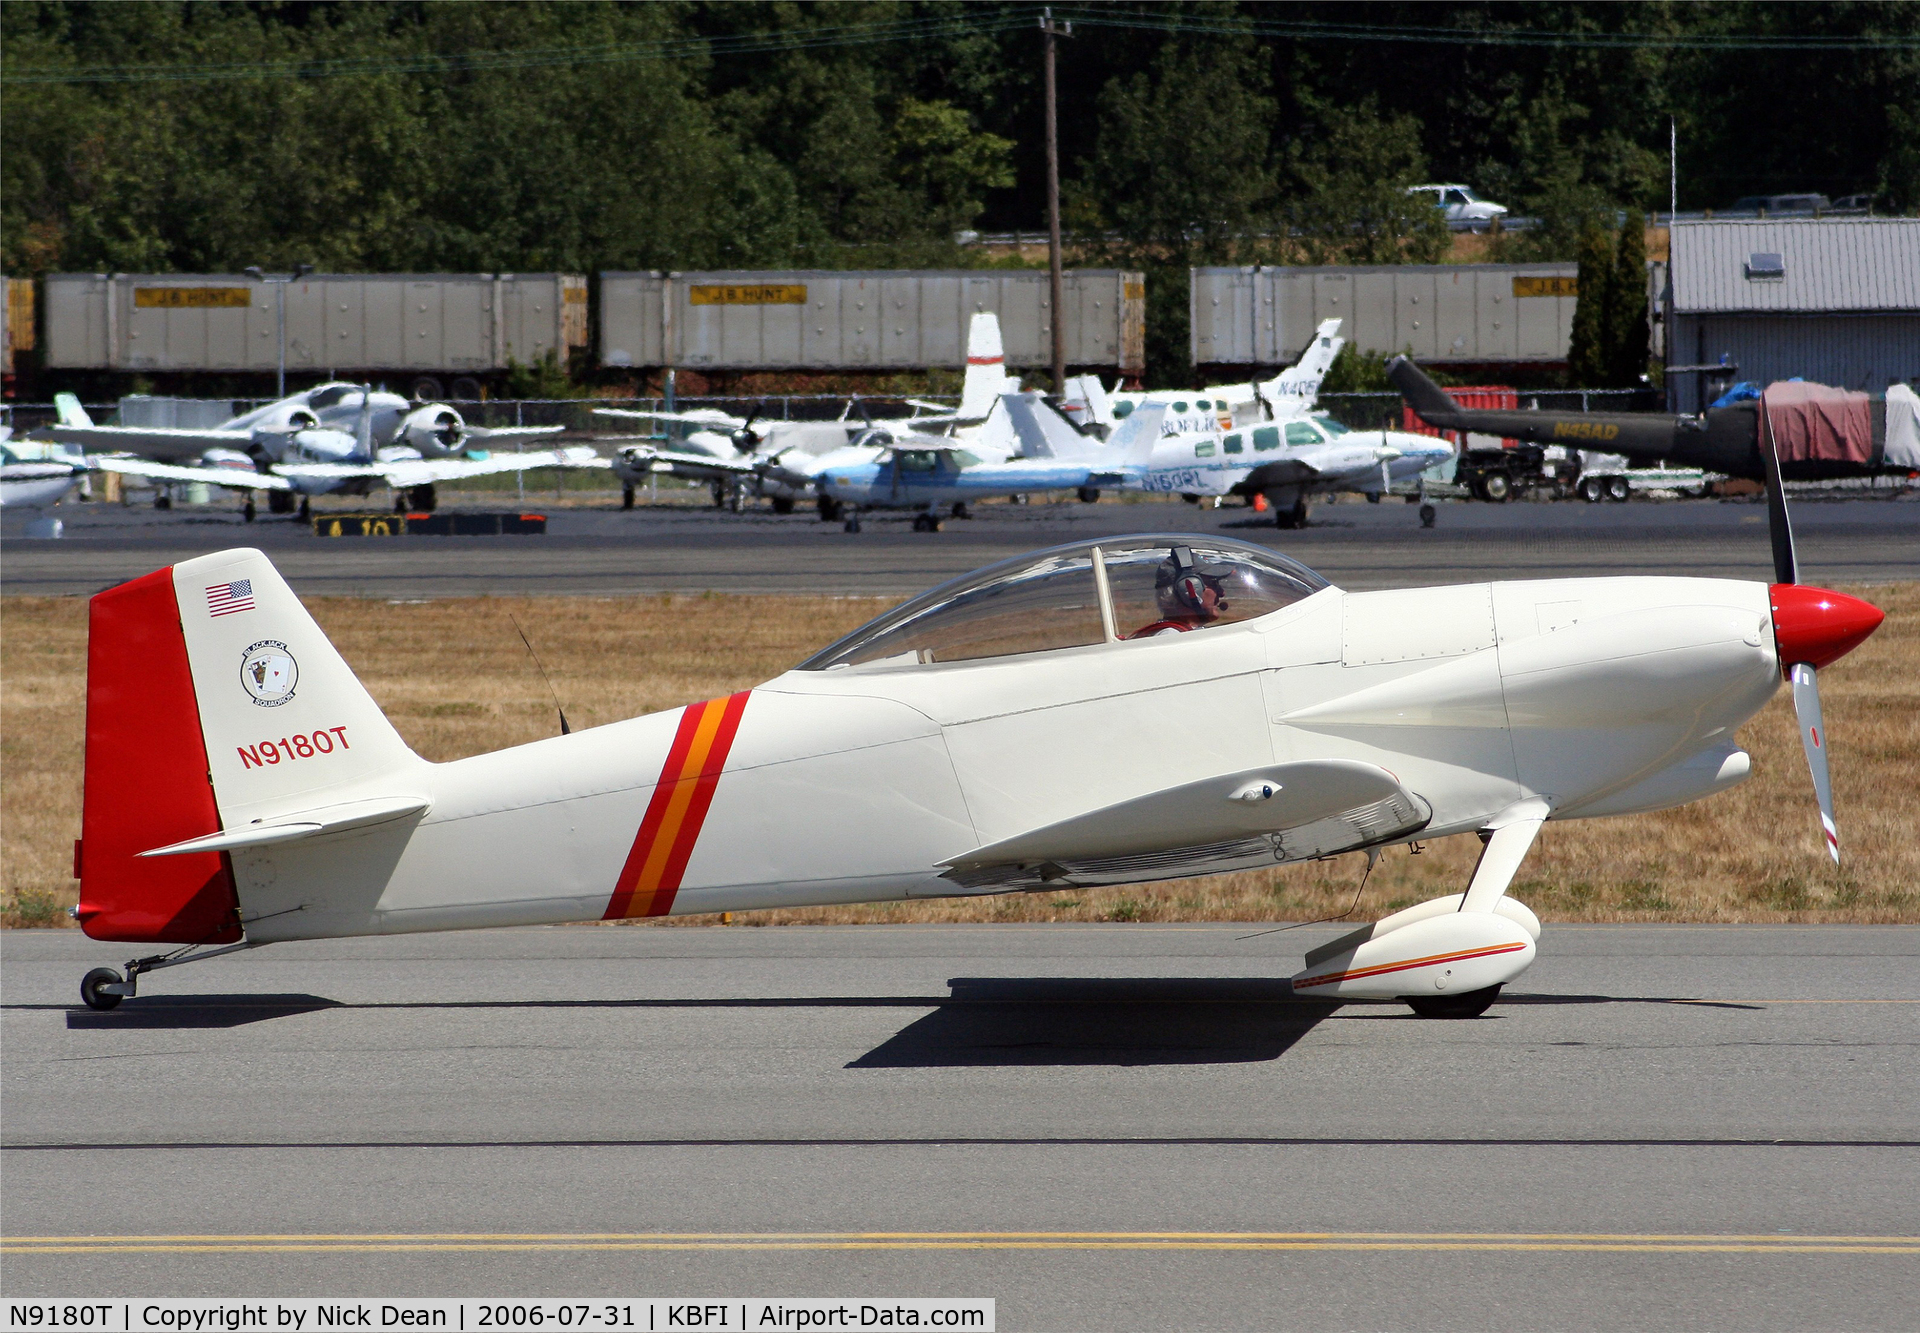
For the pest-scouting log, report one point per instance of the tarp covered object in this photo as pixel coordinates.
(1903, 427)
(1813, 421)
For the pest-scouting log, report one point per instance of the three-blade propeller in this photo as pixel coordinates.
(1811, 627)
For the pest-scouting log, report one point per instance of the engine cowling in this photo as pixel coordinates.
(436, 430)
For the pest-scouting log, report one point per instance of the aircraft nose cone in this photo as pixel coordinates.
(1815, 626)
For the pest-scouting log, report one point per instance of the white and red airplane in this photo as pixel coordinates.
(1111, 711)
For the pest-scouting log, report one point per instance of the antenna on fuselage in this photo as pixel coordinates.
(565, 730)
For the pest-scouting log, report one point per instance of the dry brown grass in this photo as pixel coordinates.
(455, 679)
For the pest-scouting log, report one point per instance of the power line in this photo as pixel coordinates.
(674, 48)
(1353, 32)
(962, 23)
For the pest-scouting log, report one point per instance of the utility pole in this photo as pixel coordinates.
(1056, 283)
(299, 271)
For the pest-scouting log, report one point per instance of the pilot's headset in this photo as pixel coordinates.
(1182, 579)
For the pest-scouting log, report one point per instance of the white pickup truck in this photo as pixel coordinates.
(1463, 209)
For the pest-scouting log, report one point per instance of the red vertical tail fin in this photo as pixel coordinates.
(146, 779)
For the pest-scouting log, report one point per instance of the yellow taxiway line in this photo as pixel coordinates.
(968, 1240)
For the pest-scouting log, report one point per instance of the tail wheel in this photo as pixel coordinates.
(1469, 1004)
(91, 993)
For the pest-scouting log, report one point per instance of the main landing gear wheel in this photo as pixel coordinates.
(626, 496)
(246, 509)
(960, 509)
(782, 504)
(1089, 495)
(830, 510)
(306, 509)
(853, 520)
(424, 498)
(90, 986)
(925, 523)
(1469, 1004)
(1427, 514)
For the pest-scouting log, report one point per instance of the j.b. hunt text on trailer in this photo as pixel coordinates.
(486, 1314)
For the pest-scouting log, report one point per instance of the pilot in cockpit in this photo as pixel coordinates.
(1189, 594)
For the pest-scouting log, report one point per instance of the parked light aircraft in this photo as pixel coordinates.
(1291, 393)
(931, 474)
(35, 476)
(781, 459)
(337, 437)
(1113, 711)
(1288, 461)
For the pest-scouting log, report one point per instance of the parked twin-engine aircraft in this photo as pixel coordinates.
(1114, 711)
(1219, 407)
(781, 460)
(1289, 461)
(337, 437)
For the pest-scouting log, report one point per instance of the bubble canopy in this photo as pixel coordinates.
(1110, 590)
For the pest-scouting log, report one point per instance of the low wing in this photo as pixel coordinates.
(423, 471)
(495, 435)
(700, 416)
(699, 466)
(233, 478)
(1262, 816)
(160, 440)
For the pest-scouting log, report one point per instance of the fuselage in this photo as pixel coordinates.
(1316, 453)
(860, 782)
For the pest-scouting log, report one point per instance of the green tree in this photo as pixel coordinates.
(1350, 171)
(1589, 364)
(1627, 311)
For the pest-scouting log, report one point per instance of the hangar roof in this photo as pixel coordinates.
(1851, 264)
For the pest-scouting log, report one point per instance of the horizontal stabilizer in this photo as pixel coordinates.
(301, 824)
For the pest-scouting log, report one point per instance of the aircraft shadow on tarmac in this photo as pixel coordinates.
(984, 1021)
(1102, 1021)
(199, 1011)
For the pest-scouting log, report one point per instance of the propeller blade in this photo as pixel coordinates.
(1786, 565)
(1813, 739)
(363, 428)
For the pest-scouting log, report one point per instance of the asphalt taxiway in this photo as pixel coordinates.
(1103, 1127)
(603, 551)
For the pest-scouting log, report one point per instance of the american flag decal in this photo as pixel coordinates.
(224, 599)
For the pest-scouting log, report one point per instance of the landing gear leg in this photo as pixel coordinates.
(306, 509)
(246, 510)
(103, 987)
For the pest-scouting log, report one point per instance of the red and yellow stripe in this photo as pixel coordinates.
(651, 877)
(1431, 960)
